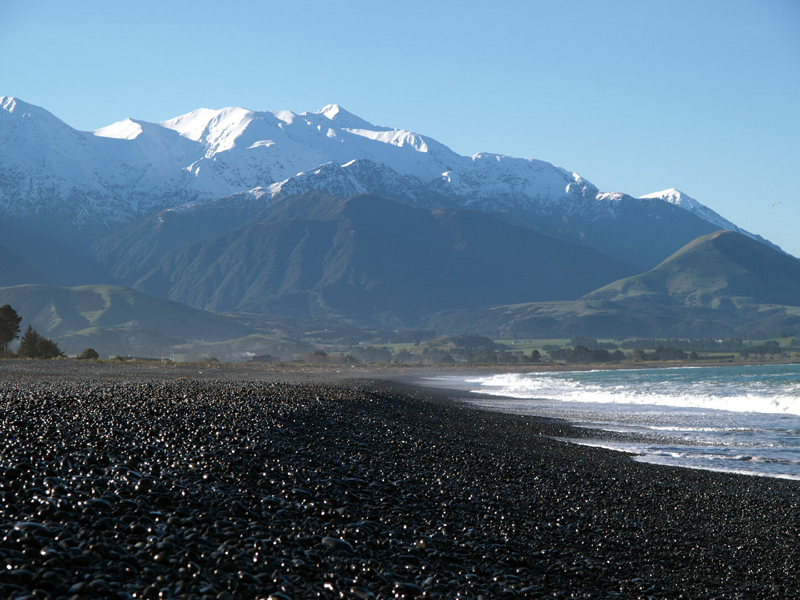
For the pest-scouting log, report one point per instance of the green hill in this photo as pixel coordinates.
(723, 270)
(117, 320)
(720, 285)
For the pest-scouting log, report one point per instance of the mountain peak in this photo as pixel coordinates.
(333, 110)
(681, 200)
(131, 168)
(344, 118)
(8, 103)
(12, 104)
(127, 129)
(197, 124)
(672, 196)
(20, 108)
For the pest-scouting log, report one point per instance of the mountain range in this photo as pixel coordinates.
(81, 186)
(369, 258)
(325, 216)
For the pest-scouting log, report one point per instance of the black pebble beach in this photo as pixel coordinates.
(155, 482)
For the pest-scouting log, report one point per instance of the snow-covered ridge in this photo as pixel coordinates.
(680, 199)
(132, 168)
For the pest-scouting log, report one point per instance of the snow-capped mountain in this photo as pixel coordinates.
(215, 153)
(54, 178)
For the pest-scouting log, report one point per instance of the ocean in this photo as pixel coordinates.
(738, 419)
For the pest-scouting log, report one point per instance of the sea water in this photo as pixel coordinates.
(740, 419)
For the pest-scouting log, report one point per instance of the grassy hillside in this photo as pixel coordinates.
(116, 320)
(720, 285)
(723, 270)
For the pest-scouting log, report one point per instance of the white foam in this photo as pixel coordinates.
(733, 419)
(753, 396)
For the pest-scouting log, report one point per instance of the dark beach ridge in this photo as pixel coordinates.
(201, 482)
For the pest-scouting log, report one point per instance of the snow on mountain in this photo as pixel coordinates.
(141, 167)
(678, 198)
(46, 167)
(133, 168)
(356, 177)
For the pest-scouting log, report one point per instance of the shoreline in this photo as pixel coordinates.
(609, 428)
(216, 485)
(391, 369)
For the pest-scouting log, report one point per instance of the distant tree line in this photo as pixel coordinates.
(698, 345)
(468, 348)
(593, 344)
(768, 348)
(660, 353)
(411, 336)
(583, 355)
(433, 356)
(374, 354)
(476, 349)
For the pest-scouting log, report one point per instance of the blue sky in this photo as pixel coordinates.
(703, 96)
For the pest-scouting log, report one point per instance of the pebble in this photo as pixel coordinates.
(337, 544)
(136, 483)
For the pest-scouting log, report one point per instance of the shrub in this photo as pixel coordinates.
(89, 354)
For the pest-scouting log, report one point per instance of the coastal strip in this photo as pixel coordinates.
(121, 482)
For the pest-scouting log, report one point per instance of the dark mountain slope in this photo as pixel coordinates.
(637, 231)
(15, 270)
(56, 262)
(372, 259)
(130, 253)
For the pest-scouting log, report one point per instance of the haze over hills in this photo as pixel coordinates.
(16, 270)
(723, 284)
(81, 186)
(58, 262)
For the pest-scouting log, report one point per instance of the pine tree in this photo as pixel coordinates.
(27, 344)
(9, 326)
(33, 345)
